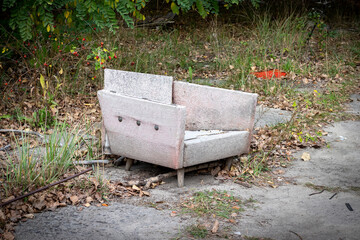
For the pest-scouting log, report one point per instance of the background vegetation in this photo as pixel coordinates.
(52, 55)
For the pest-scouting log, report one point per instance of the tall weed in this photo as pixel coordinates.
(29, 167)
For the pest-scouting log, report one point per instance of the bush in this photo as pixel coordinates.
(45, 15)
(24, 16)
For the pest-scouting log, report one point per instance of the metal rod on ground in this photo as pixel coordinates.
(89, 162)
(160, 177)
(21, 131)
(44, 188)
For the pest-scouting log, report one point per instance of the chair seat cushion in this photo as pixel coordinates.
(211, 145)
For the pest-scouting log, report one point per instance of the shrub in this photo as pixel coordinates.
(44, 15)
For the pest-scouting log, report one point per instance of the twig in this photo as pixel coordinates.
(45, 187)
(160, 177)
(349, 207)
(5, 148)
(332, 196)
(153, 24)
(247, 185)
(296, 234)
(22, 132)
(317, 192)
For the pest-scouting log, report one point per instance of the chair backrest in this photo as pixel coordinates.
(210, 108)
(143, 130)
(156, 88)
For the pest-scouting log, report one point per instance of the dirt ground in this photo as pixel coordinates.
(289, 211)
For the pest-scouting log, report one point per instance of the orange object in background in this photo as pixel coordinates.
(275, 73)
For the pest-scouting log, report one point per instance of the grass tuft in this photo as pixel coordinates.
(218, 203)
(31, 167)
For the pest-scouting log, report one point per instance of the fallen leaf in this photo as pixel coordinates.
(8, 199)
(215, 227)
(8, 236)
(173, 214)
(236, 207)
(104, 205)
(98, 196)
(136, 188)
(232, 220)
(74, 199)
(53, 205)
(231, 67)
(305, 156)
(89, 199)
(60, 196)
(30, 215)
(87, 205)
(146, 193)
(2, 216)
(40, 203)
(279, 172)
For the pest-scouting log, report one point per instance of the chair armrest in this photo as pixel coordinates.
(143, 130)
(215, 108)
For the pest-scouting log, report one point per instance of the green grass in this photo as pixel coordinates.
(197, 231)
(253, 165)
(30, 167)
(218, 203)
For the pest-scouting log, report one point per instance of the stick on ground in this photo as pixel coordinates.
(160, 177)
(45, 187)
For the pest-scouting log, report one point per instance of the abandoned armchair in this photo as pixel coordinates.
(174, 124)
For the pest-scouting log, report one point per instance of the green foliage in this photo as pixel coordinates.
(44, 15)
(205, 7)
(101, 55)
(42, 118)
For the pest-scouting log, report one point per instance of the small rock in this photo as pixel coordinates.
(305, 156)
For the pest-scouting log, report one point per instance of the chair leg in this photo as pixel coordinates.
(129, 163)
(180, 177)
(228, 163)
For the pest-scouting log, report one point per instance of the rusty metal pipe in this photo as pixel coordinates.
(45, 187)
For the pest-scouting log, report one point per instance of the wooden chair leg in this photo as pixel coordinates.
(129, 163)
(180, 177)
(228, 163)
